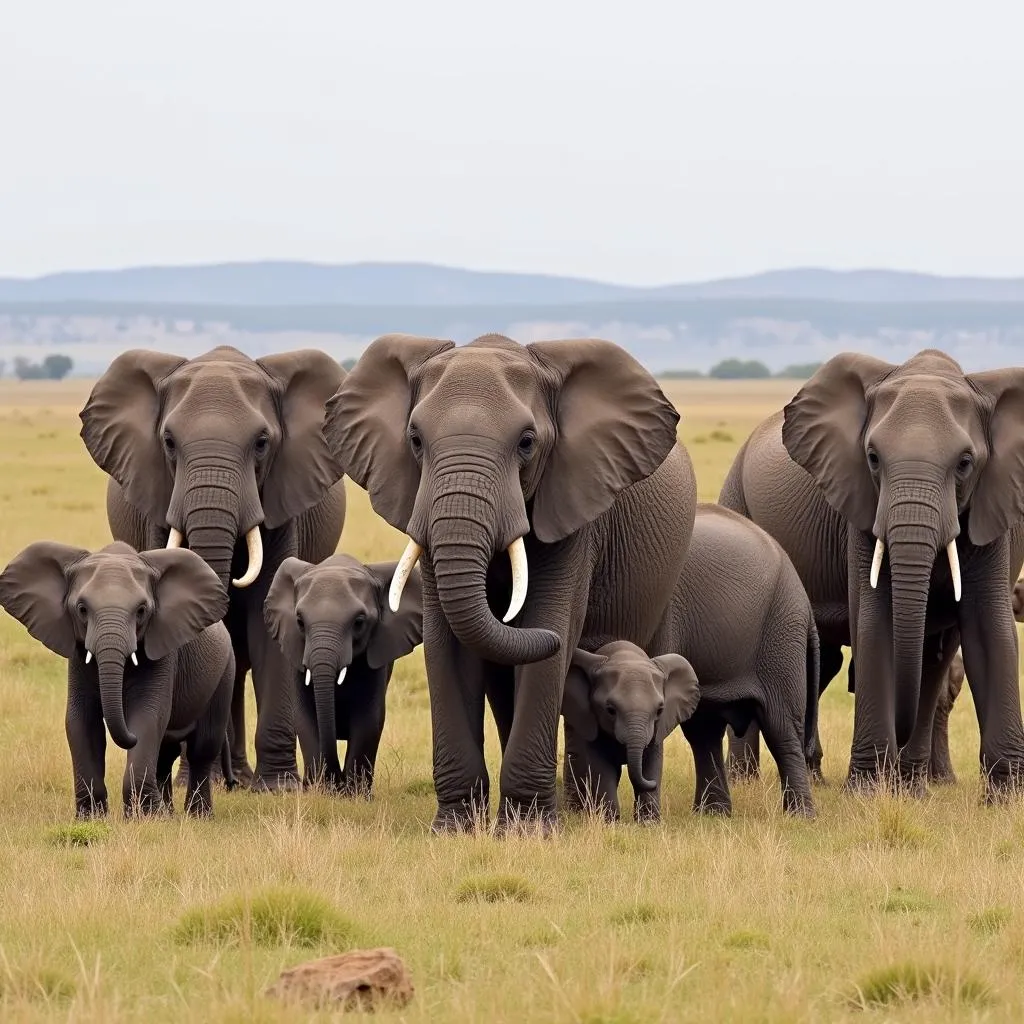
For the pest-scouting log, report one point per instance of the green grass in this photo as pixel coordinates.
(757, 917)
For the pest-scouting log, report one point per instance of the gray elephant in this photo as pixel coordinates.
(622, 705)
(227, 455)
(148, 656)
(341, 640)
(563, 454)
(743, 621)
(897, 489)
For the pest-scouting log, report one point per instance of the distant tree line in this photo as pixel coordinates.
(744, 369)
(55, 367)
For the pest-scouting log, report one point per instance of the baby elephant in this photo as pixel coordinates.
(147, 655)
(621, 705)
(743, 620)
(341, 639)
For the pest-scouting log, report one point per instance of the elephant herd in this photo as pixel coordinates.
(558, 566)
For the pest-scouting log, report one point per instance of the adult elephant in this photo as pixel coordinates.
(896, 490)
(227, 454)
(561, 453)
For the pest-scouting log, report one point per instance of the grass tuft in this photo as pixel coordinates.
(494, 889)
(905, 901)
(639, 913)
(909, 982)
(990, 921)
(896, 827)
(80, 833)
(41, 984)
(275, 917)
(747, 939)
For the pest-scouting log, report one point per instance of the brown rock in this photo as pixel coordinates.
(361, 979)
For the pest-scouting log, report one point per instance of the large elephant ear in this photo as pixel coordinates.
(279, 609)
(368, 418)
(304, 469)
(576, 697)
(823, 429)
(397, 633)
(120, 428)
(34, 588)
(998, 499)
(682, 693)
(188, 597)
(613, 427)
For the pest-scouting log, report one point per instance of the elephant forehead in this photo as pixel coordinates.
(112, 579)
(919, 411)
(234, 387)
(473, 374)
(337, 587)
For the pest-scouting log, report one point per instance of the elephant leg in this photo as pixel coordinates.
(365, 731)
(830, 662)
(170, 751)
(87, 740)
(915, 757)
(988, 642)
(782, 736)
(711, 793)
(940, 764)
(455, 680)
(500, 689)
(240, 766)
(206, 744)
(647, 804)
(316, 771)
(591, 778)
(139, 789)
(745, 753)
(277, 766)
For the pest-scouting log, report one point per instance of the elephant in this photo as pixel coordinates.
(341, 640)
(622, 705)
(226, 455)
(742, 620)
(162, 611)
(562, 454)
(896, 489)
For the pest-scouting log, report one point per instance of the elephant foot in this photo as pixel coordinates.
(286, 780)
(799, 805)
(525, 818)
(941, 775)
(459, 819)
(1005, 781)
(742, 768)
(713, 809)
(912, 779)
(815, 772)
(94, 809)
(868, 777)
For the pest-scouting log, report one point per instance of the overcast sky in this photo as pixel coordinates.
(678, 141)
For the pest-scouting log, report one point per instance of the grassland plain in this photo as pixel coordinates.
(881, 909)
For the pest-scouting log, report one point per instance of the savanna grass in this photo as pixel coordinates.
(754, 918)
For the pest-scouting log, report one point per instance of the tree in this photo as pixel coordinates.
(347, 364)
(57, 367)
(681, 375)
(739, 369)
(799, 371)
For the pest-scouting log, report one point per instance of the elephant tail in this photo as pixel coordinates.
(813, 675)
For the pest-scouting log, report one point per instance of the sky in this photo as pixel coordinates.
(644, 143)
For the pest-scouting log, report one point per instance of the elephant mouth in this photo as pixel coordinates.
(951, 554)
(341, 675)
(133, 656)
(253, 545)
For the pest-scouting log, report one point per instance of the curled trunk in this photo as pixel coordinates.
(637, 737)
(110, 665)
(461, 547)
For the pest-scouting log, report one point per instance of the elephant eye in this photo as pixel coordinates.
(169, 445)
(526, 444)
(963, 467)
(658, 710)
(141, 613)
(300, 622)
(610, 708)
(873, 460)
(415, 441)
(359, 623)
(261, 445)
(81, 609)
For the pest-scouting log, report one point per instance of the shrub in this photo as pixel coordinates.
(81, 833)
(739, 369)
(907, 982)
(494, 889)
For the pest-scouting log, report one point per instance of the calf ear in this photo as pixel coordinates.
(576, 705)
(189, 597)
(34, 588)
(682, 693)
(397, 633)
(279, 609)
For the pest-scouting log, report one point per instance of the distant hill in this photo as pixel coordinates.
(283, 284)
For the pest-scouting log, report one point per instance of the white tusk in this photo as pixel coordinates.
(954, 567)
(135, 661)
(342, 674)
(309, 676)
(175, 539)
(876, 562)
(410, 556)
(254, 542)
(520, 578)
(88, 657)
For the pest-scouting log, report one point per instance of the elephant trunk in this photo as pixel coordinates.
(913, 542)
(111, 641)
(218, 504)
(638, 735)
(327, 657)
(462, 544)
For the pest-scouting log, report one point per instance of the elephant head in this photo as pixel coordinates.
(216, 446)
(910, 453)
(325, 616)
(468, 449)
(112, 604)
(637, 699)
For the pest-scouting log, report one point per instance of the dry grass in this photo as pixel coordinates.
(882, 909)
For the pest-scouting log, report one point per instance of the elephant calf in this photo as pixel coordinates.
(148, 656)
(743, 620)
(341, 640)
